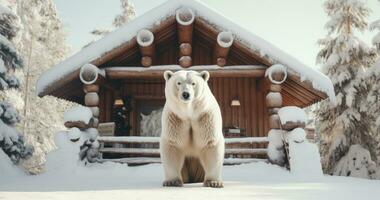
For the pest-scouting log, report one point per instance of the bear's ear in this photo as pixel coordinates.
(168, 74)
(205, 75)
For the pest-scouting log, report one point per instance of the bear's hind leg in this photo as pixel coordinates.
(172, 160)
(212, 162)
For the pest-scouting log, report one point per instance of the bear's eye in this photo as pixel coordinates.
(179, 83)
(193, 84)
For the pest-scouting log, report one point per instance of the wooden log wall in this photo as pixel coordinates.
(249, 116)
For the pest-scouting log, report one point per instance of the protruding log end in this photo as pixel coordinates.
(185, 61)
(146, 61)
(277, 74)
(89, 74)
(145, 38)
(185, 49)
(91, 99)
(274, 100)
(221, 62)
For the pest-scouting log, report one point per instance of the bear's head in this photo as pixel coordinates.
(185, 86)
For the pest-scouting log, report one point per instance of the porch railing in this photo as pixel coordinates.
(238, 150)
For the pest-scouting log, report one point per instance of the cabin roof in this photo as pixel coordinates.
(100, 51)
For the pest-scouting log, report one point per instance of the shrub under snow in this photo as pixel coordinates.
(11, 141)
(356, 163)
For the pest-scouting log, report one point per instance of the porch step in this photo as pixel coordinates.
(149, 160)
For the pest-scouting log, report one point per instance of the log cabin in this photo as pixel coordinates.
(120, 77)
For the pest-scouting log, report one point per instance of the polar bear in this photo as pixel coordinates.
(191, 127)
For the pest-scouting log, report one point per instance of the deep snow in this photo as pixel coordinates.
(248, 181)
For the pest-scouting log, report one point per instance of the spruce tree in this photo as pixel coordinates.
(343, 57)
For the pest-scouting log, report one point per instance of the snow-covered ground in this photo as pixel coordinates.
(68, 178)
(248, 181)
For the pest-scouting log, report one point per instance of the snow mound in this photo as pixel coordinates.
(275, 146)
(304, 159)
(356, 163)
(79, 113)
(7, 168)
(292, 114)
(297, 135)
(154, 17)
(65, 159)
(74, 134)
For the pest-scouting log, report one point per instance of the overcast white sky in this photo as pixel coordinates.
(292, 25)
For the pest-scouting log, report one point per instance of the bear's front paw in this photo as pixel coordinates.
(214, 184)
(173, 183)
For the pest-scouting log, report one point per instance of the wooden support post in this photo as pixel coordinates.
(91, 76)
(145, 39)
(223, 43)
(185, 18)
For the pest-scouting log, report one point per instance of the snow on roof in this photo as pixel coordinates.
(156, 16)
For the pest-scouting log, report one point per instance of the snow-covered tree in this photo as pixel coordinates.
(11, 140)
(41, 43)
(370, 80)
(343, 58)
(127, 14)
(10, 59)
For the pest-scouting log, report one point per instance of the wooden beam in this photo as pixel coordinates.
(122, 74)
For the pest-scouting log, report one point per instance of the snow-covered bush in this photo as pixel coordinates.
(356, 163)
(11, 141)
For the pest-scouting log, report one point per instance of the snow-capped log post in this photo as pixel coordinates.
(224, 41)
(91, 76)
(145, 40)
(185, 18)
(276, 75)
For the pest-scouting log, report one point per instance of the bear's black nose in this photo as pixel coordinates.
(185, 95)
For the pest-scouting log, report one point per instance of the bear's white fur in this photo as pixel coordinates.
(191, 127)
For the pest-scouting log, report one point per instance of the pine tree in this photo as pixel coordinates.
(11, 140)
(343, 57)
(371, 101)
